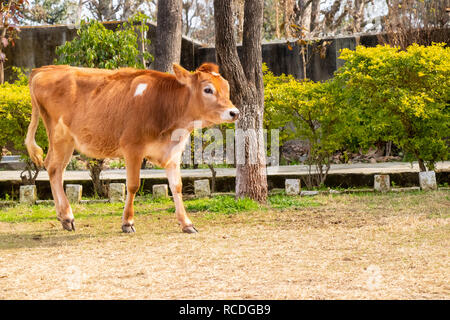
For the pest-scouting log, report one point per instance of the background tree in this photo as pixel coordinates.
(316, 18)
(71, 11)
(10, 13)
(130, 8)
(111, 10)
(198, 20)
(306, 14)
(409, 21)
(104, 10)
(78, 9)
(247, 90)
(271, 22)
(203, 30)
(191, 11)
(149, 7)
(48, 11)
(168, 35)
(238, 10)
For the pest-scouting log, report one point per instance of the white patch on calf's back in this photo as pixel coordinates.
(140, 88)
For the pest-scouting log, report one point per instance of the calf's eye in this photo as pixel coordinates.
(208, 90)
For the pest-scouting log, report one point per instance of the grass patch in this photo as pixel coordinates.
(283, 202)
(227, 205)
(149, 199)
(35, 213)
(145, 205)
(221, 204)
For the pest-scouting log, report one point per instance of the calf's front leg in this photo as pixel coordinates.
(174, 177)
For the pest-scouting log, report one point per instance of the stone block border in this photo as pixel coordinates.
(28, 193)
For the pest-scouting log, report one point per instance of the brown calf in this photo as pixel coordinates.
(125, 113)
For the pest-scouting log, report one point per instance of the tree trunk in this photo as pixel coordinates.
(303, 16)
(79, 11)
(277, 19)
(129, 7)
(421, 165)
(213, 178)
(287, 18)
(32, 171)
(168, 35)
(315, 12)
(358, 15)
(103, 10)
(2, 72)
(388, 148)
(247, 92)
(2, 57)
(303, 54)
(95, 167)
(421, 162)
(240, 18)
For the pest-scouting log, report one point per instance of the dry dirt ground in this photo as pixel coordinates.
(347, 247)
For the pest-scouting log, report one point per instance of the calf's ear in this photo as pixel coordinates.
(183, 76)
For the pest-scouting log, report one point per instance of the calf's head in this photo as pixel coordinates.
(210, 94)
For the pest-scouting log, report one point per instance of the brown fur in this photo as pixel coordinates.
(102, 114)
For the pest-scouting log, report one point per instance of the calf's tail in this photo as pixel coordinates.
(35, 152)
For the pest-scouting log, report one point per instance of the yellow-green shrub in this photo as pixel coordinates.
(307, 110)
(15, 111)
(401, 96)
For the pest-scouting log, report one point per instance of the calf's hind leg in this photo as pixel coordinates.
(59, 154)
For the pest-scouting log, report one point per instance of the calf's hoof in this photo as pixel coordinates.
(190, 229)
(68, 224)
(128, 228)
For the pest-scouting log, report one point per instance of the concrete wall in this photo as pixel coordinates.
(280, 59)
(36, 46)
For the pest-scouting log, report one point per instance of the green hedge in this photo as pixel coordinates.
(15, 112)
(401, 96)
(379, 94)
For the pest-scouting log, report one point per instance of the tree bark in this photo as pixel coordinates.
(168, 35)
(95, 167)
(129, 7)
(357, 13)
(277, 20)
(302, 11)
(103, 10)
(2, 72)
(79, 11)
(420, 161)
(287, 18)
(315, 12)
(240, 19)
(247, 91)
